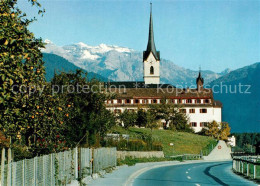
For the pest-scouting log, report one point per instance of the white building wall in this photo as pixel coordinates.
(211, 115)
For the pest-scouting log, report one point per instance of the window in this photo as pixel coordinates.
(145, 101)
(154, 101)
(198, 101)
(119, 101)
(206, 101)
(136, 100)
(151, 70)
(188, 101)
(192, 110)
(193, 124)
(183, 110)
(203, 110)
(128, 101)
(117, 111)
(203, 124)
(179, 101)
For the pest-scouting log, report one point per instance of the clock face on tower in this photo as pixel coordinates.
(151, 62)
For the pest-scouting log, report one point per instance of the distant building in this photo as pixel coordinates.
(232, 141)
(198, 103)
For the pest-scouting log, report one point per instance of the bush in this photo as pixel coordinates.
(132, 161)
(134, 145)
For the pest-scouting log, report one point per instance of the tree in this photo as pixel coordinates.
(28, 111)
(141, 120)
(128, 118)
(224, 131)
(220, 131)
(88, 119)
(152, 122)
(172, 116)
(179, 122)
(213, 129)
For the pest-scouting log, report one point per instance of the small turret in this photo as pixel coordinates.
(199, 82)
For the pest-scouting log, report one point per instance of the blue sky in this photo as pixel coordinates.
(213, 34)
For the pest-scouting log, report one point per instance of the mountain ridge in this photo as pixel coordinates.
(124, 64)
(241, 106)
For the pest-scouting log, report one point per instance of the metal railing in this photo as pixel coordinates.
(248, 167)
(188, 156)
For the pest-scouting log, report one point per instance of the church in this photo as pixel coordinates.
(198, 103)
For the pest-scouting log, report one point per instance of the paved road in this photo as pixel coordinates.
(211, 173)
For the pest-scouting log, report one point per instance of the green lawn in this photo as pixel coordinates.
(184, 143)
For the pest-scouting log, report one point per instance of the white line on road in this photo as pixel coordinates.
(187, 172)
(188, 169)
(197, 184)
(189, 177)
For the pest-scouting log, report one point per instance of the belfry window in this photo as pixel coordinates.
(151, 70)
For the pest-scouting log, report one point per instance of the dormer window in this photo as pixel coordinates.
(151, 70)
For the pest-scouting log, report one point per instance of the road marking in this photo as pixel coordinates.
(189, 177)
(197, 184)
(187, 172)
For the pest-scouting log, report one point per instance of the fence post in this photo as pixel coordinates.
(23, 172)
(52, 175)
(242, 167)
(115, 157)
(64, 168)
(34, 170)
(247, 169)
(76, 162)
(43, 170)
(13, 172)
(3, 166)
(254, 171)
(90, 162)
(80, 162)
(9, 167)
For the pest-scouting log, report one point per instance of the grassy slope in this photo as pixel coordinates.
(184, 143)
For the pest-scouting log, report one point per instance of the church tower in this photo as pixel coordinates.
(151, 58)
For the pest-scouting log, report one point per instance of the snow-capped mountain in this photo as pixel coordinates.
(123, 64)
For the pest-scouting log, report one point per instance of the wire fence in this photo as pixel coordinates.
(57, 168)
(104, 158)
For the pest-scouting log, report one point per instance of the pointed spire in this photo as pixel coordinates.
(199, 80)
(151, 44)
(200, 77)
